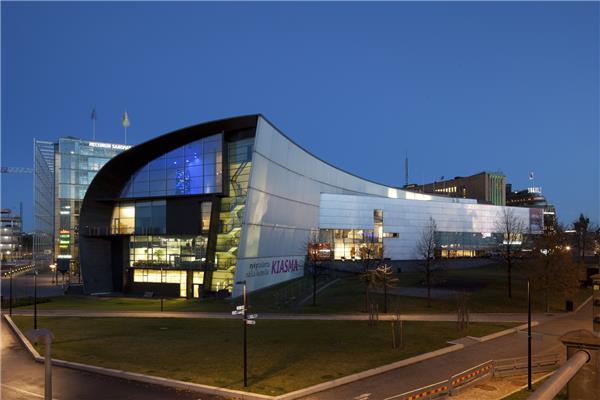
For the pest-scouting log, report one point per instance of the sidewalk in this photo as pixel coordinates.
(474, 317)
(390, 384)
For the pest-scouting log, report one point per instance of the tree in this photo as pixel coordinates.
(583, 235)
(512, 227)
(314, 265)
(384, 278)
(426, 246)
(553, 271)
(369, 252)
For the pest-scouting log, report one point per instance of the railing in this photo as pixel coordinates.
(561, 377)
(518, 366)
(457, 382)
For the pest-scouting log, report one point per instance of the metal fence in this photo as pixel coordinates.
(492, 368)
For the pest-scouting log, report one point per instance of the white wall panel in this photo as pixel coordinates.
(291, 192)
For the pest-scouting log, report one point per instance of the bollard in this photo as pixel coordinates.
(44, 336)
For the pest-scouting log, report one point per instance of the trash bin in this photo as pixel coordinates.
(569, 305)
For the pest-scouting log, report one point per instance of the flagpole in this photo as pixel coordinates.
(94, 124)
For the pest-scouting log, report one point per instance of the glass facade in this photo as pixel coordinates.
(43, 202)
(168, 251)
(195, 168)
(77, 162)
(232, 212)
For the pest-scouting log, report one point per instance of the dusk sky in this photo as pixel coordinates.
(459, 87)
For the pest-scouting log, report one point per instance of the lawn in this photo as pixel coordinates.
(282, 355)
(485, 286)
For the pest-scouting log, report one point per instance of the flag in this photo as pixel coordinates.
(531, 176)
(125, 120)
(94, 114)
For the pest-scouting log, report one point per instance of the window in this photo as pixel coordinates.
(195, 168)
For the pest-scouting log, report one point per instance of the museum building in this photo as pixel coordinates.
(198, 209)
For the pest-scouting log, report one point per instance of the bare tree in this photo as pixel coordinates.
(513, 228)
(426, 246)
(314, 263)
(552, 269)
(583, 235)
(384, 278)
(369, 256)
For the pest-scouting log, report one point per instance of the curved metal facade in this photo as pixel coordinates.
(290, 195)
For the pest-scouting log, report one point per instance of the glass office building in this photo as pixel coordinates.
(198, 209)
(63, 171)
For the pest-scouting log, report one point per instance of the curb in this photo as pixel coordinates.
(134, 376)
(368, 373)
(502, 333)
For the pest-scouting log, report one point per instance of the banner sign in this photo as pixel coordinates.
(262, 272)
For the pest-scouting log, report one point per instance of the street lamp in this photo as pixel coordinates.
(529, 387)
(10, 300)
(35, 273)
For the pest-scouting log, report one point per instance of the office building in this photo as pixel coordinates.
(63, 171)
(11, 235)
(485, 187)
(533, 198)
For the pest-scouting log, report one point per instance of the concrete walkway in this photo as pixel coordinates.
(390, 384)
(474, 317)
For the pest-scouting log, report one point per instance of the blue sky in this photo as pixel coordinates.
(459, 87)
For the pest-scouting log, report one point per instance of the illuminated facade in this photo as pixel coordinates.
(63, 171)
(201, 208)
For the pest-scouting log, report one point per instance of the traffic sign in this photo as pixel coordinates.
(239, 308)
(250, 322)
(252, 316)
(237, 312)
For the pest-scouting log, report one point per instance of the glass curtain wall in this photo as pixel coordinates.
(43, 202)
(77, 163)
(166, 251)
(239, 155)
(195, 168)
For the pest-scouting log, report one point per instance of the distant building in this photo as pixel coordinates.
(485, 187)
(532, 198)
(10, 235)
(63, 171)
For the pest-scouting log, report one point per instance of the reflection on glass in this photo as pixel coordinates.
(195, 168)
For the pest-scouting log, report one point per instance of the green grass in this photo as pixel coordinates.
(282, 355)
(486, 288)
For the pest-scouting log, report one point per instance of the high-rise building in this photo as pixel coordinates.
(10, 235)
(63, 171)
(485, 187)
(533, 198)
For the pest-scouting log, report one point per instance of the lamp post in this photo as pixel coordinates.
(529, 387)
(162, 296)
(35, 272)
(10, 300)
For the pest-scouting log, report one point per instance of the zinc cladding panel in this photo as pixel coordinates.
(408, 218)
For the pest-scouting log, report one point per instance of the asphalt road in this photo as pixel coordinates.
(388, 385)
(22, 285)
(23, 379)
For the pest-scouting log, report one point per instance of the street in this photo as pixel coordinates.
(22, 285)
